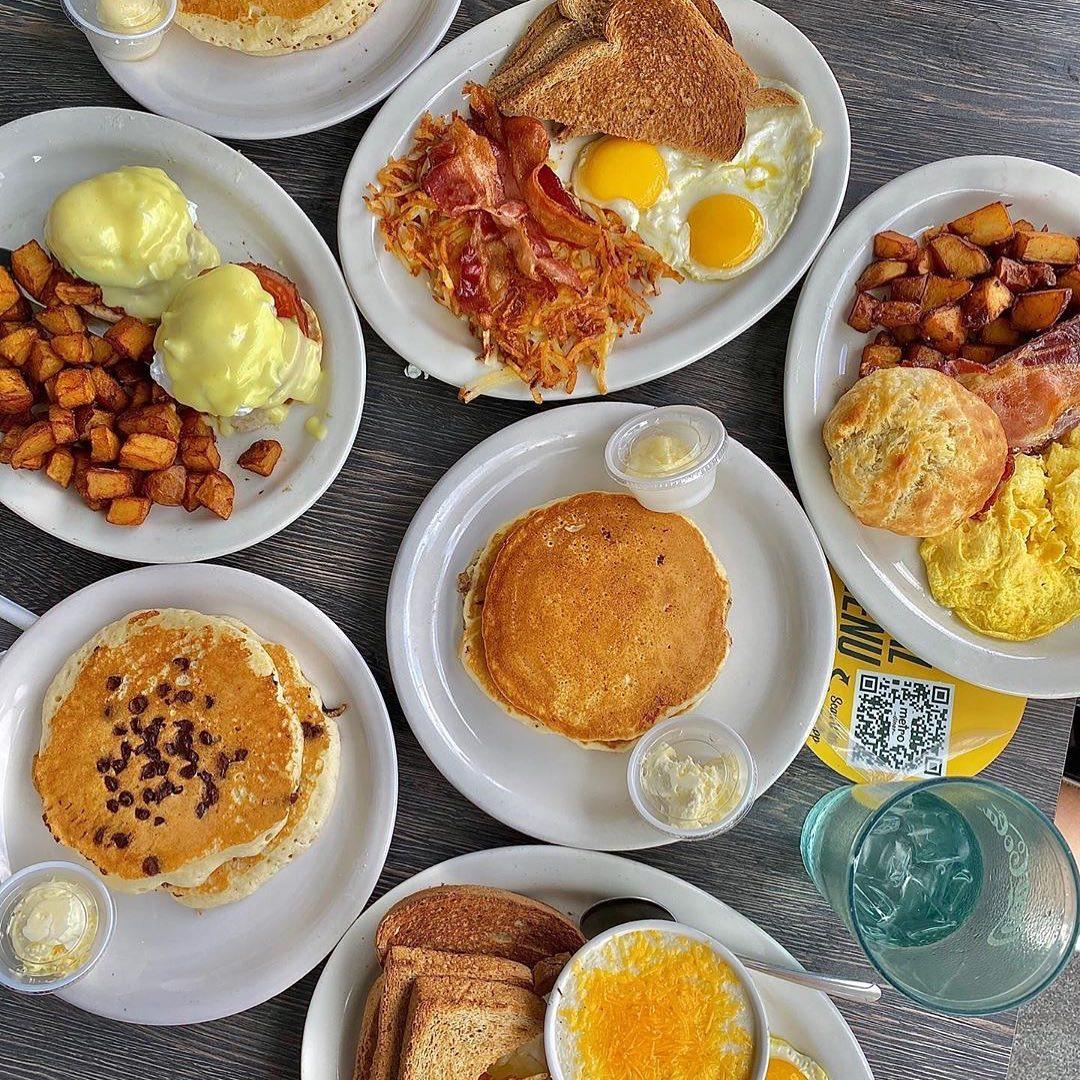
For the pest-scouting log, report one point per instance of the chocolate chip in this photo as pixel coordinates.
(159, 820)
(311, 731)
(659, 560)
(163, 689)
(121, 839)
(119, 729)
(112, 806)
(223, 763)
(206, 738)
(126, 798)
(241, 754)
(126, 751)
(205, 777)
(107, 711)
(187, 772)
(141, 813)
(119, 765)
(208, 701)
(138, 704)
(136, 726)
(294, 796)
(183, 696)
(111, 783)
(113, 683)
(182, 662)
(103, 764)
(150, 866)
(148, 795)
(200, 810)
(99, 835)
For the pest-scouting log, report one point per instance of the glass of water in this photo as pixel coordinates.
(961, 892)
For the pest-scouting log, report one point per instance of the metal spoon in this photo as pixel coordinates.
(623, 909)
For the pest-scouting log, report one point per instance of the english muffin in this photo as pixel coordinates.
(167, 749)
(913, 452)
(595, 618)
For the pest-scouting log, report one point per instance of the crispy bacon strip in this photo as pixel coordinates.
(1034, 389)
(286, 296)
(465, 175)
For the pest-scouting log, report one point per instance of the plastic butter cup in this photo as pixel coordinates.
(16, 887)
(704, 740)
(558, 1042)
(683, 480)
(107, 43)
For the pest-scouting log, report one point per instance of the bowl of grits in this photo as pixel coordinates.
(657, 1001)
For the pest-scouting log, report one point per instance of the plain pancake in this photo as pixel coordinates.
(273, 27)
(600, 618)
(314, 798)
(167, 748)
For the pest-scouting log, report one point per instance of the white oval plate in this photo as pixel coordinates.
(169, 964)
(237, 96)
(571, 880)
(249, 217)
(883, 570)
(688, 320)
(770, 689)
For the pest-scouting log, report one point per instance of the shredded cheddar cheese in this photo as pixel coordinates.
(655, 1007)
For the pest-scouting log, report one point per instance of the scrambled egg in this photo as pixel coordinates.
(1016, 574)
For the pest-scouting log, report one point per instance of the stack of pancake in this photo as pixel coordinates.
(595, 618)
(181, 751)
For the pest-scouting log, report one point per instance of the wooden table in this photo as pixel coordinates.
(923, 80)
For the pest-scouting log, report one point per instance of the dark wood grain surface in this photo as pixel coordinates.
(923, 79)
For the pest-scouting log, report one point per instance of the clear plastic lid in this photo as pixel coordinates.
(696, 434)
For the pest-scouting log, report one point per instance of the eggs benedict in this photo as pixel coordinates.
(239, 344)
(132, 232)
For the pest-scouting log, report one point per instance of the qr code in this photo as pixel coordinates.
(900, 725)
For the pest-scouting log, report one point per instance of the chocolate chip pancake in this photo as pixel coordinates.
(314, 798)
(167, 748)
(595, 618)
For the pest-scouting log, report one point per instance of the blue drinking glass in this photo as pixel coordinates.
(962, 893)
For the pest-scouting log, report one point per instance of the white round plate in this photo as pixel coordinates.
(237, 96)
(688, 320)
(570, 881)
(770, 689)
(249, 217)
(169, 964)
(883, 570)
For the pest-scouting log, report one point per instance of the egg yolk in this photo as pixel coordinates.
(614, 168)
(725, 230)
(783, 1070)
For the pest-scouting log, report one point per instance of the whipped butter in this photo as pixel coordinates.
(130, 16)
(52, 927)
(688, 793)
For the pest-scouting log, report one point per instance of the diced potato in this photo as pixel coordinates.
(43, 363)
(862, 318)
(922, 263)
(192, 483)
(160, 419)
(9, 442)
(199, 453)
(1023, 225)
(1070, 279)
(988, 299)
(104, 445)
(32, 268)
(216, 493)
(15, 395)
(89, 417)
(9, 291)
(920, 355)
(60, 466)
(128, 510)
(127, 372)
(147, 453)
(77, 292)
(1013, 274)
(989, 224)
(35, 442)
(895, 313)
(15, 347)
(895, 245)
(104, 483)
(1000, 333)
(104, 353)
(108, 393)
(944, 328)
(261, 456)
(63, 425)
(1039, 309)
(905, 334)
(73, 348)
(942, 290)
(1058, 249)
(61, 320)
(880, 273)
(141, 393)
(166, 486)
(74, 386)
(130, 337)
(957, 257)
(194, 423)
(980, 354)
(911, 288)
(878, 356)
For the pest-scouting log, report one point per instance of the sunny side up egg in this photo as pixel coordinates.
(787, 1063)
(712, 220)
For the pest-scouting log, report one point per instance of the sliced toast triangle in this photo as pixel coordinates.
(369, 1031)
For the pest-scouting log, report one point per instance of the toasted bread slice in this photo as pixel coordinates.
(401, 969)
(660, 74)
(369, 1031)
(477, 919)
(456, 1029)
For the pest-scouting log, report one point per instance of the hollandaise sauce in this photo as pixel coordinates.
(222, 349)
(132, 231)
